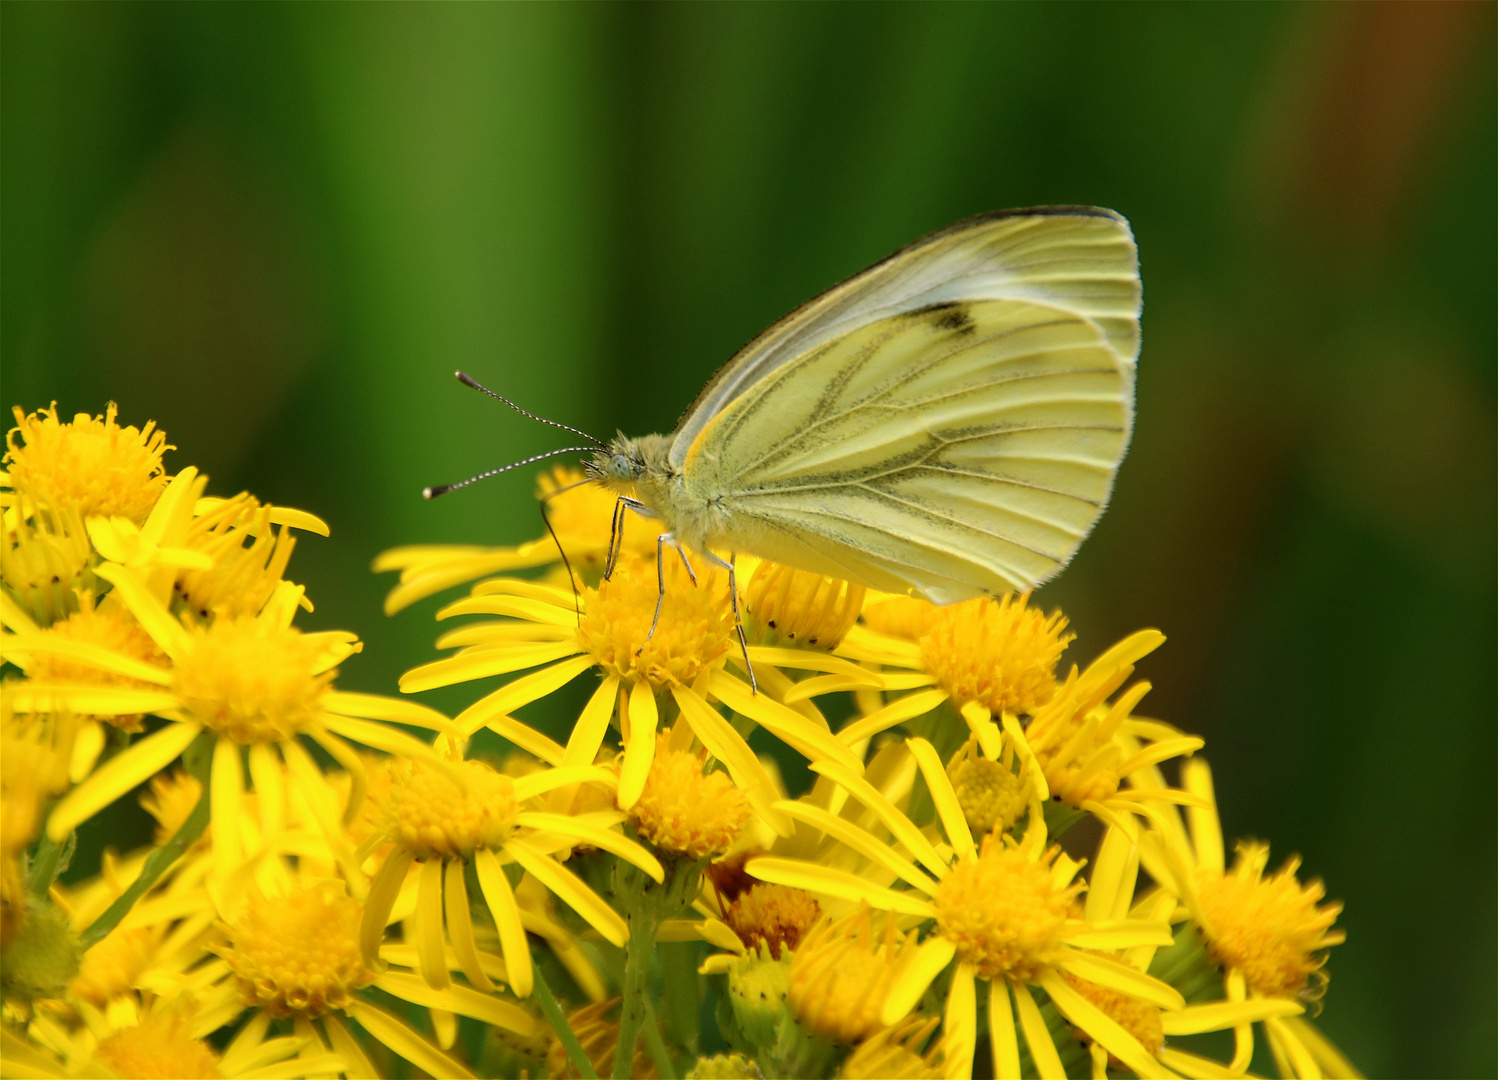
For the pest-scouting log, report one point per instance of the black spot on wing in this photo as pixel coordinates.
(951, 316)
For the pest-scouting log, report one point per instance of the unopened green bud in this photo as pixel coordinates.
(44, 957)
(757, 985)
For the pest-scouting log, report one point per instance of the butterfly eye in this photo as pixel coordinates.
(620, 468)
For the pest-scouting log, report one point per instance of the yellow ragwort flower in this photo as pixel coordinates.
(91, 464)
(685, 811)
(842, 972)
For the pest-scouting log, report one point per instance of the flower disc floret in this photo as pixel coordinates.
(999, 653)
(777, 915)
(1139, 1018)
(298, 954)
(431, 816)
(91, 464)
(161, 1047)
(1003, 911)
(249, 681)
(686, 812)
(1270, 929)
(692, 634)
(798, 608)
(992, 795)
(842, 973)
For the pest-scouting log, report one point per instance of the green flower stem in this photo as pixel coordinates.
(681, 997)
(197, 757)
(650, 905)
(50, 860)
(563, 1029)
(656, 1046)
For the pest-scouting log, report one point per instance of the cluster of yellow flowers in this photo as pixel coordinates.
(327, 891)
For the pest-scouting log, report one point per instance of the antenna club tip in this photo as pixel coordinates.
(428, 493)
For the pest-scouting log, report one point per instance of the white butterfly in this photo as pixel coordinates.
(946, 423)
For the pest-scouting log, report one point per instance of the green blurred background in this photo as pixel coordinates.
(278, 229)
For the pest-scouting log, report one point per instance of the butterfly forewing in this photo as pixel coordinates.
(1080, 259)
(961, 448)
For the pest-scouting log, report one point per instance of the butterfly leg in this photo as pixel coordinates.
(660, 579)
(616, 531)
(738, 622)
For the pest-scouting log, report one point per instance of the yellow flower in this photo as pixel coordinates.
(842, 972)
(1268, 934)
(896, 1052)
(249, 545)
(34, 755)
(92, 464)
(682, 663)
(44, 560)
(160, 1045)
(992, 795)
(1000, 913)
(443, 818)
(773, 915)
(1000, 654)
(686, 812)
(794, 607)
(254, 683)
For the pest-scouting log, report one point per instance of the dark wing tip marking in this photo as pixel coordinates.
(952, 316)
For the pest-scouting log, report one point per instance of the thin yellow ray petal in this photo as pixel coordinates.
(1327, 1053)
(516, 607)
(313, 788)
(807, 689)
(592, 724)
(1001, 1031)
(1197, 1066)
(1221, 1015)
(1102, 1028)
(1108, 873)
(811, 660)
(241, 1051)
(226, 781)
(1169, 795)
(528, 739)
(1302, 1061)
(906, 680)
(1042, 1049)
(960, 1023)
(1123, 934)
(571, 890)
(980, 723)
(484, 663)
(86, 653)
(269, 782)
(1155, 753)
(896, 712)
(495, 634)
(537, 783)
(790, 727)
(953, 820)
(535, 590)
(729, 747)
(117, 776)
(870, 847)
(929, 961)
(14, 618)
(501, 900)
(406, 1042)
(383, 892)
(380, 707)
(461, 1000)
(893, 818)
(639, 743)
(1016, 734)
(460, 926)
(89, 699)
(1112, 818)
(1121, 977)
(386, 738)
(606, 839)
(428, 919)
(521, 691)
(814, 877)
(1206, 828)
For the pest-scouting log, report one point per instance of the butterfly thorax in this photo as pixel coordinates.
(641, 468)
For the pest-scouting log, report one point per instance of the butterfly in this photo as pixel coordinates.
(946, 423)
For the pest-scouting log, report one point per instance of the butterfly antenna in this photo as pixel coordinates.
(469, 380)
(443, 489)
(577, 607)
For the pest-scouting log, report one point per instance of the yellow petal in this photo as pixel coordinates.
(380, 707)
(1221, 1015)
(639, 743)
(571, 890)
(461, 1000)
(592, 724)
(226, 781)
(729, 747)
(537, 783)
(153, 617)
(383, 892)
(501, 900)
(482, 663)
(930, 960)
(894, 819)
(953, 820)
(814, 877)
(860, 840)
(404, 1041)
(1121, 977)
(1103, 1029)
(1037, 1037)
(606, 839)
(90, 699)
(896, 712)
(789, 726)
(117, 776)
(1001, 1031)
(960, 1023)
(87, 653)
(522, 691)
(1022, 748)
(1120, 934)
